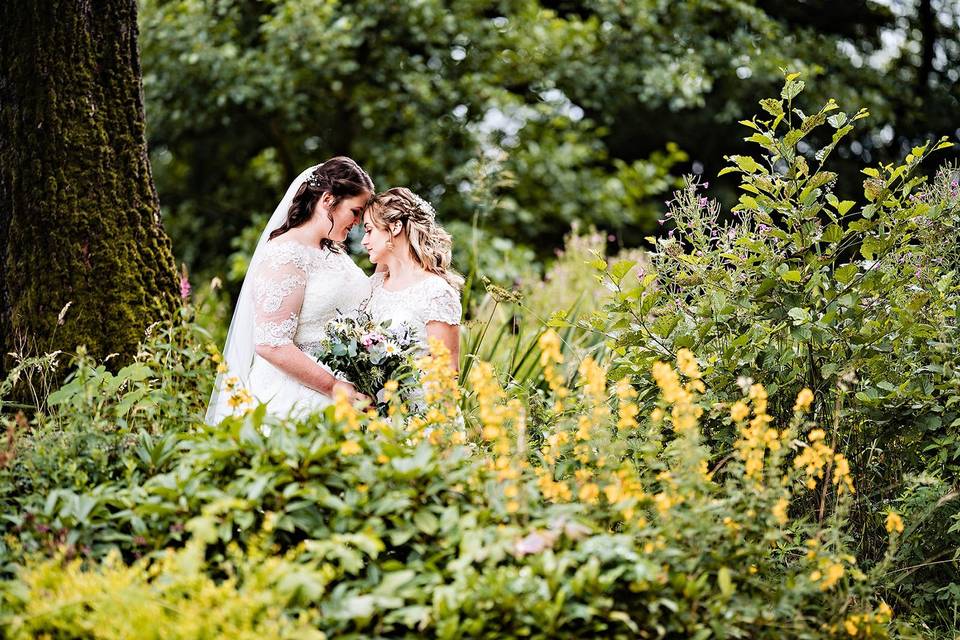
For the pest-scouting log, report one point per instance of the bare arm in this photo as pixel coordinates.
(449, 335)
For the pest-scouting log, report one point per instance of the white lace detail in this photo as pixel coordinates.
(431, 299)
(269, 295)
(276, 334)
(284, 253)
(444, 306)
(307, 283)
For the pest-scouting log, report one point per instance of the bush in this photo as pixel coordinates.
(855, 301)
(99, 430)
(389, 527)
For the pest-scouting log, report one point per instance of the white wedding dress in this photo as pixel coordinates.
(430, 299)
(297, 290)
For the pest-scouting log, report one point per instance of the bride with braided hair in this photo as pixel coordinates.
(414, 283)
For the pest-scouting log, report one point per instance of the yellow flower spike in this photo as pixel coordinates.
(627, 409)
(894, 523)
(594, 378)
(834, 573)
(583, 428)
(687, 363)
(780, 511)
(851, 626)
(804, 400)
(589, 492)
(551, 355)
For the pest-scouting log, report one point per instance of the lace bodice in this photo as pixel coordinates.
(298, 288)
(427, 300)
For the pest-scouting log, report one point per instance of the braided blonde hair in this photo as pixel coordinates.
(430, 244)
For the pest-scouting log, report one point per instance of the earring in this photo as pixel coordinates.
(390, 245)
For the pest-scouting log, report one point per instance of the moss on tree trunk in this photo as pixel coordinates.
(79, 215)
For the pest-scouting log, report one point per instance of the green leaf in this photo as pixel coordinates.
(845, 273)
(621, 269)
(772, 106)
(725, 582)
(799, 315)
(748, 164)
(791, 276)
(843, 206)
(426, 522)
(833, 233)
(792, 89)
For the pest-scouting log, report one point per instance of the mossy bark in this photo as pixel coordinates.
(79, 214)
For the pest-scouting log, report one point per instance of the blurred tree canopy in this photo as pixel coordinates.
(554, 111)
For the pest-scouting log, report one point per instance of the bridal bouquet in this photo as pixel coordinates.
(368, 354)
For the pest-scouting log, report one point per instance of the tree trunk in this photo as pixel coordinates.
(79, 214)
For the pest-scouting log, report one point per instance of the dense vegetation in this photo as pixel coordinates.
(560, 110)
(750, 433)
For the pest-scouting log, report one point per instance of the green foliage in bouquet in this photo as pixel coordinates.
(369, 354)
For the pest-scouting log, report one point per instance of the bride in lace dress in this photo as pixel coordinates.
(414, 283)
(299, 278)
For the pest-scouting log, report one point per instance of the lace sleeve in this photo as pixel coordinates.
(279, 283)
(442, 304)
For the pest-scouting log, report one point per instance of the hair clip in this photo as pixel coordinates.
(425, 207)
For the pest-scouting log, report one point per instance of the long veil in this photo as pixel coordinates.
(239, 349)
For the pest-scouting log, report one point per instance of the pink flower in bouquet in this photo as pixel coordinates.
(370, 339)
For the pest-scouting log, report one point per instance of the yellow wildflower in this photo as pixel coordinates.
(894, 522)
(804, 400)
(687, 363)
(739, 411)
(834, 573)
(589, 492)
(850, 625)
(350, 448)
(884, 612)
(780, 510)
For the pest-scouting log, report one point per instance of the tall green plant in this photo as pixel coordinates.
(854, 299)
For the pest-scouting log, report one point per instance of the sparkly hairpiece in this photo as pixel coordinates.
(425, 207)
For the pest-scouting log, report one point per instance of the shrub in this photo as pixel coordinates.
(432, 526)
(853, 300)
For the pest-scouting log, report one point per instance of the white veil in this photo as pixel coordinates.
(239, 349)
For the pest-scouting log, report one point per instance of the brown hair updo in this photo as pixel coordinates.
(430, 244)
(341, 177)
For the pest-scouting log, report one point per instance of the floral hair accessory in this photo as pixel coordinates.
(425, 207)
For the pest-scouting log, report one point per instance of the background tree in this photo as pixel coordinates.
(571, 104)
(79, 215)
